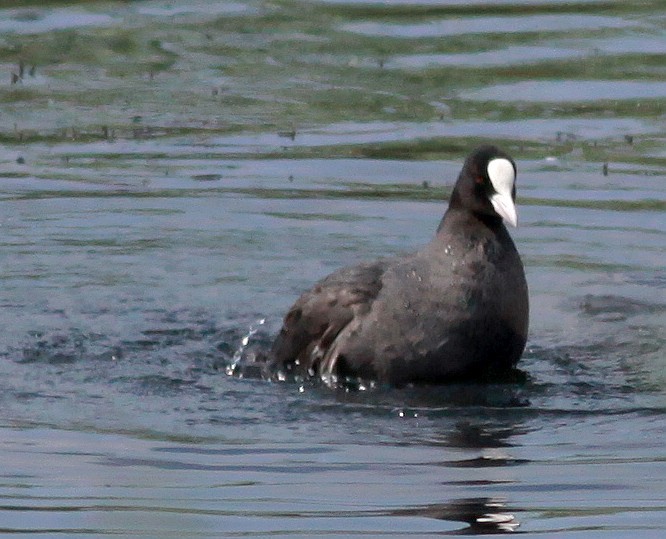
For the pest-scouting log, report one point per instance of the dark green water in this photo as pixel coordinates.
(174, 174)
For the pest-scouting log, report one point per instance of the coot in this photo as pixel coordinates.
(457, 309)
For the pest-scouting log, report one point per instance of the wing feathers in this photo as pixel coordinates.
(311, 326)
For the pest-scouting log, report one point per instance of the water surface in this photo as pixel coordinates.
(173, 175)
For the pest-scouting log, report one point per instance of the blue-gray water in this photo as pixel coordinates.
(174, 174)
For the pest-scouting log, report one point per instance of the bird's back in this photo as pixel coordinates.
(449, 311)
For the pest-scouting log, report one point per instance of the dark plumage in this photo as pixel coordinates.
(457, 309)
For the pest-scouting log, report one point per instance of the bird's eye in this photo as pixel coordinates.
(479, 179)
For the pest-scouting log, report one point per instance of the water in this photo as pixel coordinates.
(173, 174)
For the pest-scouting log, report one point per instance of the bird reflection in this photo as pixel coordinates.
(467, 435)
(487, 444)
(483, 515)
(491, 440)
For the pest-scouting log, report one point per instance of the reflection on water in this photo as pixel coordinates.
(485, 516)
(174, 174)
(469, 435)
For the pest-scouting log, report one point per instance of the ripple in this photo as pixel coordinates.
(559, 91)
(488, 25)
(629, 44)
(613, 307)
(41, 21)
(509, 56)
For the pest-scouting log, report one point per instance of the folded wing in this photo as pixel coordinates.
(311, 326)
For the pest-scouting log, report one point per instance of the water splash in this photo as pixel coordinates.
(232, 369)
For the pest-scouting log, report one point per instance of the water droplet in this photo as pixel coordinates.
(238, 354)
